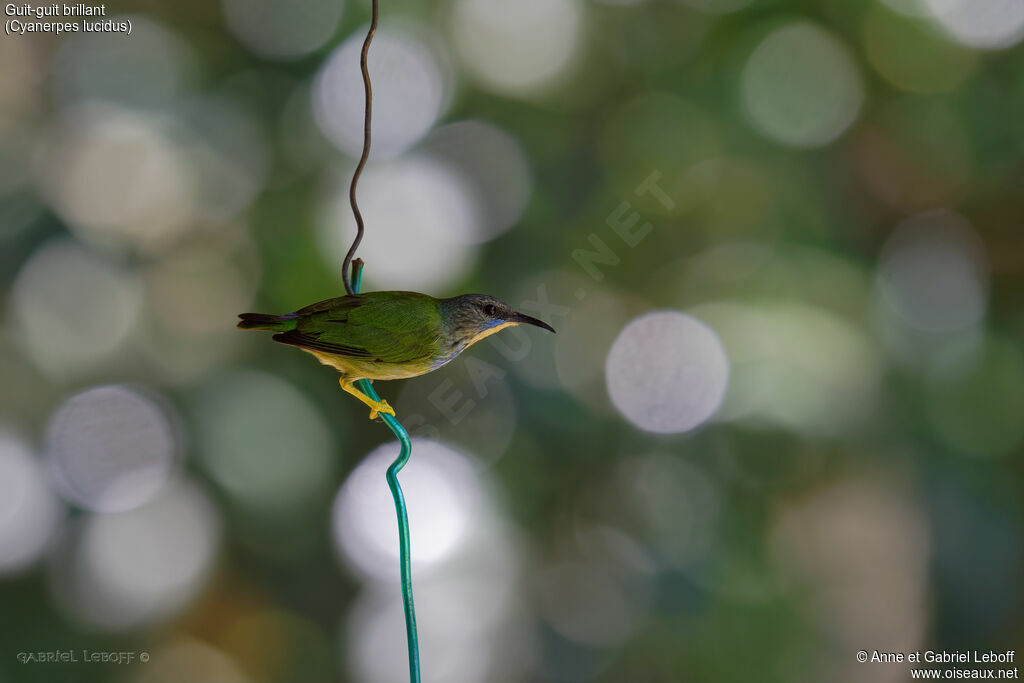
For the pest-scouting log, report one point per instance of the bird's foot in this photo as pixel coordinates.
(376, 407)
(381, 407)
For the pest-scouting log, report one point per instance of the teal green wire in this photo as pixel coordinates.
(403, 516)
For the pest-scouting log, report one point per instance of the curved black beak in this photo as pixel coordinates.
(520, 318)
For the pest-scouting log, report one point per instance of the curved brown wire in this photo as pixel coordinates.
(367, 116)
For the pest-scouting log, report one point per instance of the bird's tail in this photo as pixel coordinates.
(263, 321)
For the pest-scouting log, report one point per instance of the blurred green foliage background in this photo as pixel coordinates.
(781, 421)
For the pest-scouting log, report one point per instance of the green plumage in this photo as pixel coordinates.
(388, 335)
(388, 327)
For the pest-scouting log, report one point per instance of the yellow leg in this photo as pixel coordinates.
(375, 406)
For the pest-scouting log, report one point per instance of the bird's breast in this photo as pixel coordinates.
(362, 369)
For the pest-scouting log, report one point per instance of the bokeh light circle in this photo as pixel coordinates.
(139, 567)
(442, 491)
(117, 178)
(992, 24)
(861, 551)
(264, 442)
(423, 216)
(799, 366)
(493, 165)
(283, 30)
(587, 604)
(801, 87)
(29, 512)
(467, 623)
(71, 308)
(909, 53)
(517, 48)
(666, 372)
(110, 448)
(409, 92)
(933, 273)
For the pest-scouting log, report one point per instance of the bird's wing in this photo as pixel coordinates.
(392, 327)
(340, 305)
(312, 341)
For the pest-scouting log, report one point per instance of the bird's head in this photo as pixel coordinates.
(471, 317)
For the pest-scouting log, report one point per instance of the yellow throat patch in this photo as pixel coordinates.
(488, 332)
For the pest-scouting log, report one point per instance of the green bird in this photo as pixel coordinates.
(388, 335)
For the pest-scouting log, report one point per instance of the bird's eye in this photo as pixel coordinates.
(490, 309)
